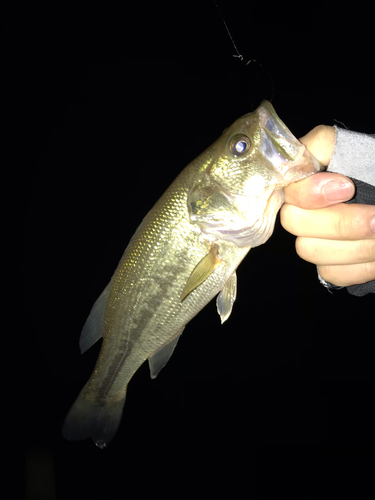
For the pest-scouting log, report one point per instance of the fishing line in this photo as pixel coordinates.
(239, 56)
(341, 123)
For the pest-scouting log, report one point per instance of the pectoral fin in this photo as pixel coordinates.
(226, 298)
(161, 357)
(202, 271)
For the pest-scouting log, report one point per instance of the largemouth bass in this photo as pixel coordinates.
(185, 252)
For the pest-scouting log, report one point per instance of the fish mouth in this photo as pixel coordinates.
(281, 138)
(280, 146)
(278, 140)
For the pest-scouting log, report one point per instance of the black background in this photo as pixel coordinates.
(276, 402)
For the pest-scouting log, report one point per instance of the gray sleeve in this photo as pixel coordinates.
(354, 155)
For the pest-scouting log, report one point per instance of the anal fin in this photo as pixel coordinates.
(202, 271)
(161, 357)
(93, 328)
(226, 298)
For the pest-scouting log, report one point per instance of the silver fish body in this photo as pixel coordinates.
(184, 253)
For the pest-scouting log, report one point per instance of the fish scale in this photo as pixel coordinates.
(185, 252)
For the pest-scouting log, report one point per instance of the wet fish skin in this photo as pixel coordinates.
(185, 252)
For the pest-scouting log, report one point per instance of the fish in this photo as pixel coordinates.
(184, 253)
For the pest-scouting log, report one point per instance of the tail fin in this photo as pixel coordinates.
(98, 420)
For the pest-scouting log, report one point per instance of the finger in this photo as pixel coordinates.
(339, 222)
(320, 141)
(335, 252)
(354, 274)
(320, 190)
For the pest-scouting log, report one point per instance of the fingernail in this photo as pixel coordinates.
(372, 223)
(338, 190)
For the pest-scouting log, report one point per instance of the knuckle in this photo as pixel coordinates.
(369, 268)
(305, 248)
(351, 224)
(325, 273)
(321, 130)
(289, 218)
(343, 225)
(334, 274)
(366, 250)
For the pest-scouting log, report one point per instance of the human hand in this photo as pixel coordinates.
(339, 238)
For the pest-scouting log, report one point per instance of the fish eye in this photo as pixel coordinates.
(239, 145)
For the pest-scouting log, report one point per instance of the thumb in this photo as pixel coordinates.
(326, 188)
(320, 141)
(320, 190)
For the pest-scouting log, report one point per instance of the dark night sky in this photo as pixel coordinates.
(286, 381)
